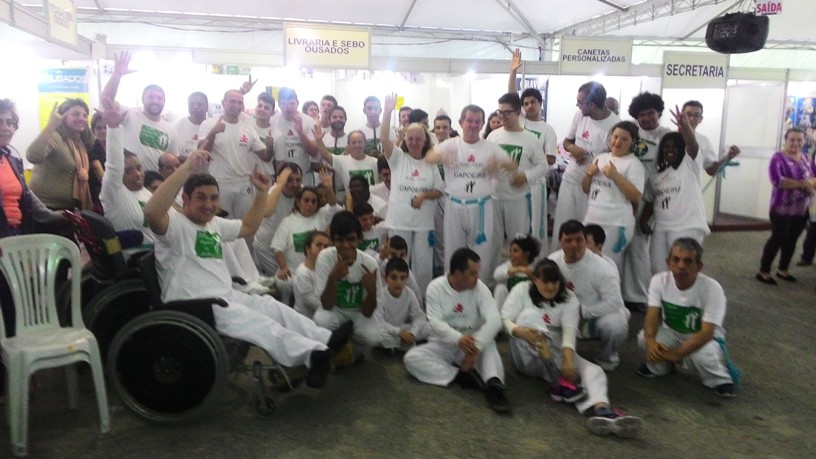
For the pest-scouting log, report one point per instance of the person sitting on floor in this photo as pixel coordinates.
(402, 322)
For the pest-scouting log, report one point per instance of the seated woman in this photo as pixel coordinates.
(307, 301)
(541, 316)
(519, 266)
(60, 158)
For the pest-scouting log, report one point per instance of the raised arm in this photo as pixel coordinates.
(733, 151)
(309, 145)
(319, 134)
(159, 204)
(115, 157)
(273, 197)
(515, 64)
(684, 127)
(121, 67)
(252, 219)
(40, 148)
(385, 124)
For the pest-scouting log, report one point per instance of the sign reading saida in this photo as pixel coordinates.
(319, 46)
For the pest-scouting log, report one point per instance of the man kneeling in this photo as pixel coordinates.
(190, 263)
(464, 322)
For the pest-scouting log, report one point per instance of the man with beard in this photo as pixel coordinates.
(294, 135)
(336, 138)
(145, 133)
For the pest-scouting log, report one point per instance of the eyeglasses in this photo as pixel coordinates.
(505, 112)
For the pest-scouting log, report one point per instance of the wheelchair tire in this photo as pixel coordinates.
(112, 307)
(265, 407)
(168, 366)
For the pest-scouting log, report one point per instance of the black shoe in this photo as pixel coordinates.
(725, 390)
(469, 380)
(340, 337)
(785, 277)
(495, 397)
(635, 306)
(765, 280)
(803, 263)
(319, 366)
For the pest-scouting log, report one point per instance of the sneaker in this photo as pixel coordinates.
(495, 397)
(340, 336)
(252, 288)
(266, 281)
(643, 370)
(607, 366)
(469, 380)
(319, 366)
(567, 392)
(635, 306)
(344, 356)
(614, 421)
(725, 391)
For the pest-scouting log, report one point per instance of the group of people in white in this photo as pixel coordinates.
(347, 235)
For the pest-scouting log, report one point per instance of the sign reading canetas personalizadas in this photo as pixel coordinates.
(62, 21)
(694, 70)
(320, 46)
(588, 56)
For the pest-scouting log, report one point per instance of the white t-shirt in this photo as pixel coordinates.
(266, 167)
(562, 318)
(607, 204)
(684, 311)
(410, 177)
(592, 136)
(288, 145)
(677, 197)
(190, 258)
(124, 208)
(380, 206)
(594, 282)
(453, 314)
(233, 151)
(148, 139)
(335, 145)
(350, 290)
(373, 145)
(381, 191)
(707, 152)
(263, 237)
(544, 133)
(307, 301)
(186, 135)
(469, 178)
(290, 237)
(346, 166)
(525, 149)
(373, 240)
(397, 314)
(646, 149)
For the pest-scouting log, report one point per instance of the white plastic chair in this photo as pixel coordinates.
(29, 264)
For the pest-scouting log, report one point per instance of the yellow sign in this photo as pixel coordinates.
(318, 46)
(47, 101)
(61, 15)
(400, 102)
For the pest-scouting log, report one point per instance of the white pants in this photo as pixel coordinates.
(500, 293)
(462, 227)
(708, 361)
(528, 362)
(510, 218)
(267, 262)
(389, 340)
(366, 329)
(236, 196)
(435, 363)
(637, 269)
(239, 260)
(538, 215)
(420, 253)
(572, 205)
(613, 329)
(263, 321)
(661, 242)
(615, 245)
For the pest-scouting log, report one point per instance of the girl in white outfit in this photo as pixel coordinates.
(307, 301)
(615, 183)
(289, 241)
(518, 268)
(541, 316)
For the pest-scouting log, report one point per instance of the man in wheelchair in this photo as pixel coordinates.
(190, 265)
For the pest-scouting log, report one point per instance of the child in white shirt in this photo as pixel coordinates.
(402, 323)
(307, 300)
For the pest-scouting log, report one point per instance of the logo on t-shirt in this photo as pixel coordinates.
(244, 139)
(372, 244)
(208, 245)
(515, 279)
(513, 151)
(349, 294)
(415, 173)
(459, 308)
(299, 240)
(154, 138)
(471, 158)
(290, 132)
(195, 137)
(368, 174)
(682, 319)
(536, 133)
(640, 149)
(546, 318)
(585, 135)
(570, 286)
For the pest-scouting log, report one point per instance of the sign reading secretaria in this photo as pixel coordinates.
(768, 8)
(694, 70)
(588, 56)
(320, 46)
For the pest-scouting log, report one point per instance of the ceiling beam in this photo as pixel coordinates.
(516, 14)
(407, 14)
(614, 5)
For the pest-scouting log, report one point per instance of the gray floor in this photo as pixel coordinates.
(375, 409)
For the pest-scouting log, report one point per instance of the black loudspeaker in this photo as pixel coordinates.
(737, 33)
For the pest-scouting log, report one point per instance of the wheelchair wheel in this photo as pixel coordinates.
(114, 306)
(265, 406)
(168, 366)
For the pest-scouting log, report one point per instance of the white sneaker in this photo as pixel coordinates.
(253, 288)
(266, 281)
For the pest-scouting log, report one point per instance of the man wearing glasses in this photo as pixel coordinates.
(711, 162)
(510, 190)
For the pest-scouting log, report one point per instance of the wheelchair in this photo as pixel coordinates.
(164, 360)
